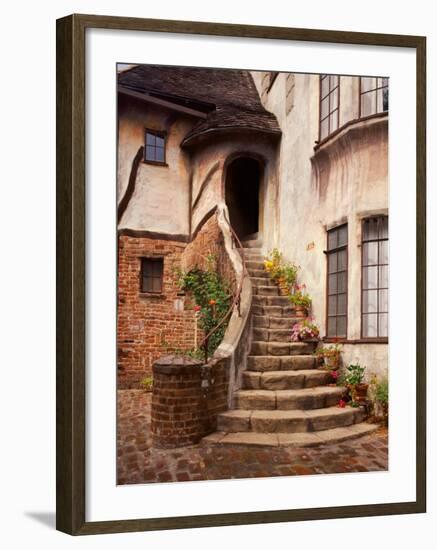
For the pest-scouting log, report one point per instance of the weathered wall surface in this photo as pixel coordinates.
(160, 202)
(146, 323)
(345, 180)
(209, 172)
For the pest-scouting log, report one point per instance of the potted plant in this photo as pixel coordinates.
(381, 395)
(300, 300)
(304, 331)
(329, 356)
(283, 274)
(354, 381)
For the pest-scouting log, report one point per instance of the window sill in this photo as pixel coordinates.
(355, 341)
(155, 163)
(350, 124)
(156, 295)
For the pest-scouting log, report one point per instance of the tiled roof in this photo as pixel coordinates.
(228, 96)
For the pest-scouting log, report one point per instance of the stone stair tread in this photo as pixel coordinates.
(307, 439)
(267, 363)
(318, 390)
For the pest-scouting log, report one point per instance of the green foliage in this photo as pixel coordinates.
(354, 375)
(212, 294)
(381, 392)
(280, 271)
(300, 297)
(147, 383)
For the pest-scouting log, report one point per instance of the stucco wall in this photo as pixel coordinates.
(160, 202)
(345, 180)
(209, 164)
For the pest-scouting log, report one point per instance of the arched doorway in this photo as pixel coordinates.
(242, 188)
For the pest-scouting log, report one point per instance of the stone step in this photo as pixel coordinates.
(285, 379)
(288, 421)
(308, 439)
(281, 301)
(265, 363)
(252, 264)
(262, 281)
(272, 334)
(256, 272)
(305, 399)
(253, 257)
(274, 311)
(265, 290)
(252, 243)
(265, 321)
(282, 348)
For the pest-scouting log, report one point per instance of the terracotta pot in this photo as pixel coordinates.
(300, 311)
(332, 363)
(361, 392)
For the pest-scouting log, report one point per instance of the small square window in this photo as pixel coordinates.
(152, 270)
(154, 150)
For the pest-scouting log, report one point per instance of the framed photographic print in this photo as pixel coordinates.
(241, 274)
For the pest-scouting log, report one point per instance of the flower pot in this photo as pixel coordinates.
(361, 392)
(332, 363)
(300, 311)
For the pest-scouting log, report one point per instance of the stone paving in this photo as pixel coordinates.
(138, 462)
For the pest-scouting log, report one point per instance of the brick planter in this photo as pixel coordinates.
(187, 397)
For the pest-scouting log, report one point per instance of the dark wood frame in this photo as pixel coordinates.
(156, 133)
(327, 252)
(321, 98)
(71, 245)
(361, 93)
(144, 259)
(370, 338)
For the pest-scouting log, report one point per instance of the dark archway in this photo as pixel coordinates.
(242, 188)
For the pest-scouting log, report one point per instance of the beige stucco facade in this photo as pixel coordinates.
(305, 187)
(344, 179)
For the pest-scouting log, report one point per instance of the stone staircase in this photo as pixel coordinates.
(285, 399)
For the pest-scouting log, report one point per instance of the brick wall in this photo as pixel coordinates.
(187, 397)
(209, 240)
(145, 321)
(148, 325)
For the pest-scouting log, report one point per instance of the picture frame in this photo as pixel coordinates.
(71, 273)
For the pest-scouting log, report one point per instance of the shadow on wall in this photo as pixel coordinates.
(242, 195)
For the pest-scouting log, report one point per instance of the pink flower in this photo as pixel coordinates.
(341, 404)
(334, 374)
(197, 308)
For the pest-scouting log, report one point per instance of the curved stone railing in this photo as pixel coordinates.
(234, 348)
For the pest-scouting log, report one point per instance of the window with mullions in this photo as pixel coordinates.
(154, 150)
(373, 95)
(329, 104)
(374, 309)
(336, 324)
(152, 274)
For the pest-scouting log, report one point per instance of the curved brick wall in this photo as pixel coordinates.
(187, 397)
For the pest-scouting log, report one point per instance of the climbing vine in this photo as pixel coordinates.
(212, 296)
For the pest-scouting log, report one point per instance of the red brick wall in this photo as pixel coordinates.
(146, 321)
(148, 325)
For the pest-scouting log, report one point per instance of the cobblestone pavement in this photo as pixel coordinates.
(138, 462)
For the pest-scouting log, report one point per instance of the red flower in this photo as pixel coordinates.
(334, 374)
(197, 308)
(341, 404)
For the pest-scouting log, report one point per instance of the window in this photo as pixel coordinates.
(374, 308)
(151, 274)
(373, 95)
(336, 323)
(154, 150)
(329, 104)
